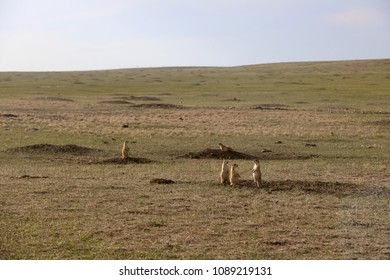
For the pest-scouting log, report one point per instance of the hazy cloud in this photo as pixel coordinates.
(357, 16)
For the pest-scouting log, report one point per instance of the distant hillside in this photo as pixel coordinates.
(359, 82)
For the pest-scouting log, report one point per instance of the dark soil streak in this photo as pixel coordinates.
(159, 106)
(218, 154)
(53, 149)
(128, 160)
(339, 189)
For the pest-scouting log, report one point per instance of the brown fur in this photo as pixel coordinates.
(224, 175)
(125, 150)
(234, 176)
(225, 148)
(256, 173)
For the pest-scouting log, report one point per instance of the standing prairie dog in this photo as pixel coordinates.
(225, 148)
(125, 150)
(224, 176)
(234, 176)
(256, 173)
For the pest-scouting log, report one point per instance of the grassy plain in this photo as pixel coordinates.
(326, 200)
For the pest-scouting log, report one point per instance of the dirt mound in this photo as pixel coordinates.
(54, 149)
(124, 161)
(158, 105)
(319, 187)
(218, 154)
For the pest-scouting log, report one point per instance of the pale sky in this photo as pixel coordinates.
(56, 35)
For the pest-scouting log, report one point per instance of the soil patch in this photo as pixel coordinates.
(119, 102)
(8, 116)
(54, 99)
(161, 181)
(159, 106)
(218, 154)
(128, 160)
(271, 107)
(211, 95)
(30, 177)
(142, 98)
(301, 102)
(381, 123)
(53, 149)
(335, 108)
(312, 187)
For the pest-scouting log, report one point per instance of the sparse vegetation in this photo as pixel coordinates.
(320, 131)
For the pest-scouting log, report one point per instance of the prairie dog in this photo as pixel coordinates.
(225, 148)
(256, 173)
(224, 176)
(125, 150)
(234, 176)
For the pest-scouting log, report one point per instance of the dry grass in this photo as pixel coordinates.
(328, 201)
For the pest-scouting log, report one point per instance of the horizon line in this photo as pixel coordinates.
(193, 66)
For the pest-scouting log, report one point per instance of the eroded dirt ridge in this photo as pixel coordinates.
(218, 154)
(54, 149)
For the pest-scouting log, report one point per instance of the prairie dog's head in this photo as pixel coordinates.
(225, 162)
(235, 166)
(256, 162)
(126, 142)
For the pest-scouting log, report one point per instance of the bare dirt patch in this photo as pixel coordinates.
(385, 123)
(8, 116)
(53, 149)
(161, 181)
(117, 102)
(54, 99)
(135, 98)
(218, 154)
(335, 108)
(159, 106)
(128, 160)
(271, 107)
(30, 177)
(310, 187)
(211, 95)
